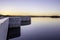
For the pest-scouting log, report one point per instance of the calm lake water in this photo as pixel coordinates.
(41, 29)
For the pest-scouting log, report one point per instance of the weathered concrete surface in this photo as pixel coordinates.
(14, 21)
(25, 20)
(14, 27)
(13, 32)
(3, 28)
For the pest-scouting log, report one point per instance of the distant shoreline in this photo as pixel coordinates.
(54, 16)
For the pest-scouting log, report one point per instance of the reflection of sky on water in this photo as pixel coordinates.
(41, 29)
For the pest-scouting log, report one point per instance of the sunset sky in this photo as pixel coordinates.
(30, 7)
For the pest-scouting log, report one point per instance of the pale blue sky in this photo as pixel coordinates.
(30, 5)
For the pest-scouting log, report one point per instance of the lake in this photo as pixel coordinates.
(41, 29)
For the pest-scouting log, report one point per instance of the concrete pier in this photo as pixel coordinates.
(3, 28)
(14, 27)
(25, 20)
(14, 23)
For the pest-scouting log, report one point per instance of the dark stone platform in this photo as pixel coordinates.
(13, 32)
(26, 22)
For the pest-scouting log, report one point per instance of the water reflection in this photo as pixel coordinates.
(41, 29)
(45, 19)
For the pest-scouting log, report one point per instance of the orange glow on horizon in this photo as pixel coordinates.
(23, 13)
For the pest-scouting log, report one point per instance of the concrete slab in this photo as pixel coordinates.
(3, 28)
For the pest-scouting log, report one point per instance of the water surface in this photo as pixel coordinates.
(41, 29)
